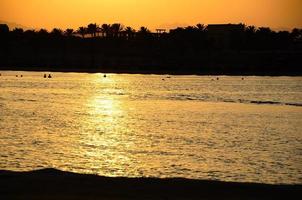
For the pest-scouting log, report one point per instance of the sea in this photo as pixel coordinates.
(228, 128)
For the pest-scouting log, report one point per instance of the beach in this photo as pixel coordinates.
(56, 184)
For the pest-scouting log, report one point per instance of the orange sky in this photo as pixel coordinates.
(277, 14)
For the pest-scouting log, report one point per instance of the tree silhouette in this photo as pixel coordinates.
(56, 32)
(296, 34)
(43, 31)
(116, 29)
(82, 31)
(201, 27)
(18, 32)
(92, 29)
(69, 32)
(130, 32)
(251, 29)
(106, 30)
(185, 49)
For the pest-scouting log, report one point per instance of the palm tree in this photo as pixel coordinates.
(201, 27)
(69, 32)
(296, 34)
(251, 29)
(129, 32)
(18, 31)
(82, 31)
(144, 30)
(106, 30)
(144, 33)
(92, 29)
(30, 33)
(56, 32)
(264, 31)
(43, 31)
(116, 28)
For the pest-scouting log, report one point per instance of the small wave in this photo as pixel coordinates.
(31, 100)
(208, 98)
(262, 102)
(293, 104)
(187, 97)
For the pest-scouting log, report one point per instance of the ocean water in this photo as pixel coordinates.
(196, 127)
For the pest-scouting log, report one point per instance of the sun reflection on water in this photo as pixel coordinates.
(107, 128)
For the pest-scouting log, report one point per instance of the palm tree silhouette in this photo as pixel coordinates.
(82, 31)
(18, 31)
(251, 29)
(56, 32)
(69, 32)
(296, 34)
(129, 32)
(144, 30)
(116, 28)
(92, 29)
(106, 30)
(201, 27)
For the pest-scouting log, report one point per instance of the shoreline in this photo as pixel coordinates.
(56, 184)
(150, 72)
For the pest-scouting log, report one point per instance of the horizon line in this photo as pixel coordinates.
(171, 26)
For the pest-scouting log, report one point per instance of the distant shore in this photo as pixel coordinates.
(157, 72)
(55, 184)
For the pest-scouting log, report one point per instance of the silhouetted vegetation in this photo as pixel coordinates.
(213, 49)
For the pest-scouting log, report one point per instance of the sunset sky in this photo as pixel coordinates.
(277, 14)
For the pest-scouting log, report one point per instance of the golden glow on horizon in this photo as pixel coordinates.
(151, 13)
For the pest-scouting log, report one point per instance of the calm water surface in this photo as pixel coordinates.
(141, 125)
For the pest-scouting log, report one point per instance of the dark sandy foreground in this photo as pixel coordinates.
(55, 184)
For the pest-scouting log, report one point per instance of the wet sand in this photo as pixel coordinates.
(55, 184)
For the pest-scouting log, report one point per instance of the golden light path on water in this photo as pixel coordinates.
(140, 125)
(107, 111)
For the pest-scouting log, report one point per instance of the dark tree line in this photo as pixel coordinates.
(212, 49)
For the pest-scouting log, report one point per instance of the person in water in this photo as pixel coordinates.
(49, 76)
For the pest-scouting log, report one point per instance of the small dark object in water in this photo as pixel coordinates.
(168, 76)
(217, 78)
(105, 76)
(16, 75)
(49, 76)
(21, 75)
(163, 79)
(0, 74)
(242, 78)
(44, 75)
